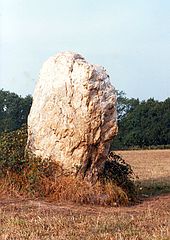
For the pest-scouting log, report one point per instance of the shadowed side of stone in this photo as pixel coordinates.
(73, 115)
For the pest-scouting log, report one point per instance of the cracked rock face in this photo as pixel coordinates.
(73, 115)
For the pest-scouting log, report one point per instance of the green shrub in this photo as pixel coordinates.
(117, 170)
(12, 149)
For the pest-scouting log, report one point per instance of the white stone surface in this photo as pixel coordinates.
(73, 115)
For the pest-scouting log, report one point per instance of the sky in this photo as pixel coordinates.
(129, 38)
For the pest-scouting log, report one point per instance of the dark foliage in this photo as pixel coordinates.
(12, 150)
(116, 169)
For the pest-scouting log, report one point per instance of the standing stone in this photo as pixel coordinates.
(73, 115)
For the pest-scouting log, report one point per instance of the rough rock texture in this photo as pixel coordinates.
(73, 116)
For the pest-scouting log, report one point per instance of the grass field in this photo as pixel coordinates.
(148, 220)
(153, 169)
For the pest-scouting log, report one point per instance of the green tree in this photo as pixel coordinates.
(146, 123)
(14, 110)
(124, 104)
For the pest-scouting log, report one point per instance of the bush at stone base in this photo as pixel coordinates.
(115, 169)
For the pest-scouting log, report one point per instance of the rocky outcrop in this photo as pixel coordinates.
(73, 115)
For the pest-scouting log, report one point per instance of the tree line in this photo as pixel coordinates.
(141, 123)
(14, 110)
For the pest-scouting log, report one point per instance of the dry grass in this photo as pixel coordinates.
(149, 164)
(45, 179)
(152, 168)
(63, 189)
(41, 220)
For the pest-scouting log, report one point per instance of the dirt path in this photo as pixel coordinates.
(41, 220)
(18, 204)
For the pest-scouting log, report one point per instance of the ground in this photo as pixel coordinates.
(147, 220)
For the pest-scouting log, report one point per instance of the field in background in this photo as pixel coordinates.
(147, 220)
(148, 164)
(152, 168)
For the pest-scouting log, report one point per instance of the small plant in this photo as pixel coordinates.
(117, 170)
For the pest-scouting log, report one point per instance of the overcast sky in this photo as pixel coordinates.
(130, 38)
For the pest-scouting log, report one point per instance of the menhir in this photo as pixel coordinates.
(73, 116)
